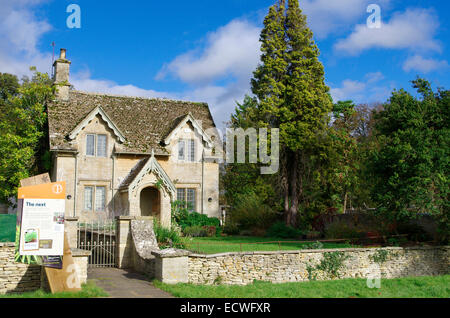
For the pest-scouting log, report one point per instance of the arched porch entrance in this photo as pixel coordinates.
(150, 202)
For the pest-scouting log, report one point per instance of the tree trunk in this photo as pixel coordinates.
(345, 202)
(292, 193)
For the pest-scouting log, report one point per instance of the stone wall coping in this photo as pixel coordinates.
(77, 252)
(171, 252)
(364, 249)
(7, 244)
(125, 218)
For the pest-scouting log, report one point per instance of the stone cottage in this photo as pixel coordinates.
(129, 155)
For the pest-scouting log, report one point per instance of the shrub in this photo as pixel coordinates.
(210, 230)
(281, 230)
(200, 231)
(167, 237)
(231, 228)
(185, 218)
(250, 212)
(195, 231)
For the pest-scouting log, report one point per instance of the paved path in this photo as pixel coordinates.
(119, 283)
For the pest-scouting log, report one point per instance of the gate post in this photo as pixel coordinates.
(171, 266)
(70, 227)
(124, 242)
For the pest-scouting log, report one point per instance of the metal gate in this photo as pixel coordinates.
(99, 237)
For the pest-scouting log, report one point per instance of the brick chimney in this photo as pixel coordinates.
(61, 76)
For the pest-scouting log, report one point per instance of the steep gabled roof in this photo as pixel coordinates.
(97, 111)
(143, 122)
(180, 122)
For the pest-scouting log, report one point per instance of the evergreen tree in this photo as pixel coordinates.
(292, 95)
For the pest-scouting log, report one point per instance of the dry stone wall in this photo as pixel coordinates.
(19, 278)
(295, 266)
(16, 277)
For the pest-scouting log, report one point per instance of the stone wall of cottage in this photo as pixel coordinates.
(111, 171)
(292, 266)
(17, 277)
(189, 174)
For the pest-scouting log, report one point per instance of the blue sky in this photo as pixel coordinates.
(204, 50)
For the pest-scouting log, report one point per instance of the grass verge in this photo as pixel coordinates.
(88, 290)
(213, 245)
(408, 287)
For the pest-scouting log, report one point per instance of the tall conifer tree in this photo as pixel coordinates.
(292, 95)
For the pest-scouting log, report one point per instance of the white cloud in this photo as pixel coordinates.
(413, 29)
(374, 77)
(348, 89)
(20, 31)
(326, 17)
(366, 91)
(221, 99)
(231, 50)
(82, 81)
(230, 54)
(424, 65)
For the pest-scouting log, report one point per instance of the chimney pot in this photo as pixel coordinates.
(62, 54)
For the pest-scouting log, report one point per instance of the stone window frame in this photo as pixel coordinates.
(189, 151)
(186, 190)
(96, 145)
(94, 186)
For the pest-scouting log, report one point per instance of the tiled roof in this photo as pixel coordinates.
(143, 121)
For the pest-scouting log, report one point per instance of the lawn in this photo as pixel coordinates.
(7, 228)
(89, 290)
(409, 287)
(212, 245)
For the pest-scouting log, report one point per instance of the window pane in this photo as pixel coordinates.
(191, 150)
(181, 150)
(100, 198)
(88, 198)
(181, 195)
(190, 199)
(101, 145)
(90, 141)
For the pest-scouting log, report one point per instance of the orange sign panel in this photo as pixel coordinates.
(54, 190)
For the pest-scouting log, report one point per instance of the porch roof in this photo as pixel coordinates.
(144, 166)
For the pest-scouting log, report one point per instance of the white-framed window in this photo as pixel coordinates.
(96, 145)
(94, 196)
(88, 197)
(188, 196)
(191, 152)
(90, 145)
(181, 149)
(186, 150)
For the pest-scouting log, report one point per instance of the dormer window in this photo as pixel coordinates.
(186, 150)
(96, 145)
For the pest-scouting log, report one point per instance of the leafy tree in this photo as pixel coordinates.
(292, 96)
(23, 130)
(346, 164)
(9, 85)
(410, 168)
(244, 184)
